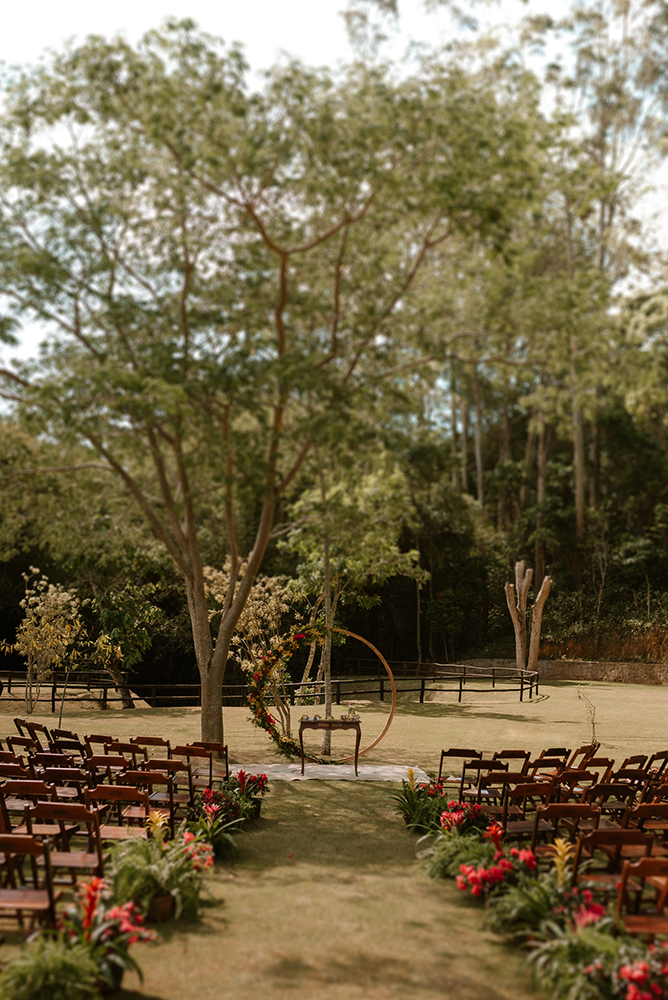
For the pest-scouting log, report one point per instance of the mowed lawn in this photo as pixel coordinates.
(327, 899)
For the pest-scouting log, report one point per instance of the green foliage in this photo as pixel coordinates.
(141, 869)
(49, 970)
(448, 850)
(560, 962)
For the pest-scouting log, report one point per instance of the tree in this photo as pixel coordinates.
(227, 276)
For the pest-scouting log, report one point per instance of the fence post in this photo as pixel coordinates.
(9, 683)
(292, 694)
(338, 692)
(53, 694)
(152, 695)
(105, 690)
(522, 686)
(382, 689)
(461, 678)
(422, 684)
(493, 677)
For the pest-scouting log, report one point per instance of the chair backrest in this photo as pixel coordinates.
(97, 739)
(543, 764)
(27, 789)
(554, 752)
(39, 732)
(456, 753)
(602, 766)
(72, 777)
(644, 812)
(52, 760)
(612, 839)
(64, 814)
(65, 734)
(637, 760)
(7, 757)
(23, 742)
(635, 872)
(602, 792)
(525, 795)
(633, 775)
(15, 771)
(22, 727)
(657, 762)
(133, 750)
(58, 745)
(15, 847)
(472, 771)
(152, 741)
(572, 780)
(580, 756)
(118, 795)
(554, 812)
(101, 766)
(521, 755)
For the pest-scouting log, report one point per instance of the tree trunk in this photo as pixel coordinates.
(419, 623)
(478, 439)
(465, 444)
(595, 464)
(528, 457)
(536, 621)
(453, 422)
(326, 658)
(541, 492)
(120, 684)
(579, 472)
(516, 597)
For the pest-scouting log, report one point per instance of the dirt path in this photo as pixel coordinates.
(327, 901)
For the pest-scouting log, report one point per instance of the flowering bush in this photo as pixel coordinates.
(107, 931)
(636, 972)
(463, 817)
(423, 806)
(505, 870)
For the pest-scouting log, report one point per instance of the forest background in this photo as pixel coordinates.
(474, 308)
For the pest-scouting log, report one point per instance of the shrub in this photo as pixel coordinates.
(49, 970)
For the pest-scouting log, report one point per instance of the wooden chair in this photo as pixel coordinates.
(544, 768)
(454, 753)
(119, 798)
(548, 818)
(656, 765)
(22, 727)
(65, 734)
(579, 757)
(160, 801)
(637, 760)
(105, 766)
(519, 758)
(218, 748)
(561, 752)
(152, 741)
(97, 740)
(521, 800)
(472, 772)
(133, 750)
(650, 817)
(17, 793)
(39, 733)
(601, 766)
(493, 790)
(75, 748)
(201, 776)
(38, 900)
(615, 846)
(42, 760)
(67, 820)
(182, 780)
(16, 771)
(636, 876)
(69, 782)
(573, 783)
(613, 797)
(22, 743)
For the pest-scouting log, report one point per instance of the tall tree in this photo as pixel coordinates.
(226, 274)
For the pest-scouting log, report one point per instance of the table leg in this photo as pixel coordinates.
(358, 737)
(301, 745)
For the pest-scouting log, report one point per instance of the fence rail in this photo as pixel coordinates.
(503, 679)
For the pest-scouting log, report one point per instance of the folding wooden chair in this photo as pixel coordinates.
(544, 768)
(182, 779)
(22, 743)
(65, 734)
(615, 846)
(472, 772)
(16, 771)
(574, 783)
(614, 798)
(133, 750)
(105, 766)
(652, 872)
(69, 782)
(522, 799)
(202, 776)
(519, 759)
(74, 748)
(22, 727)
(152, 741)
(67, 820)
(41, 760)
(122, 799)
(493, 789)
(637, 760)
(455, 753)
(656, 765)
(650, 817)
(39, 733)
(97, 740)
(579, 757)
(548, 818)
(38, 900)
(601, 766)
(562, 752)
(160, 801)
(218, 748)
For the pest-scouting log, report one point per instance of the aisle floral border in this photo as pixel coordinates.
(259, 679)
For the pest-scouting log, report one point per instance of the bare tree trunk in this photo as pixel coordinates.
(478, 438)
(326, 658)
(541, 493)
(311, 652)
(536, 622)
(516, 597)
(465, 444)
(528, 457)
(453, 422)
(120, 684)
(419, 624)
(595, 463)
(579, 472)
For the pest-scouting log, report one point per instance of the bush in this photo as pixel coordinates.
(449, 850)
(49, 970)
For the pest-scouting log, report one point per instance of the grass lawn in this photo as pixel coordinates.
(327, 899)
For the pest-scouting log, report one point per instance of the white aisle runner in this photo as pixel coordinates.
(332, 772)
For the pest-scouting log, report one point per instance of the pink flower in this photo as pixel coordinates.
(587, 915)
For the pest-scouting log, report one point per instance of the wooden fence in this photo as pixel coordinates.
(455, 677)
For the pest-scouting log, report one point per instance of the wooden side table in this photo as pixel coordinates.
(330, 724)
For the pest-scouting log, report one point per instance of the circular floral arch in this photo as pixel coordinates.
(257, 685)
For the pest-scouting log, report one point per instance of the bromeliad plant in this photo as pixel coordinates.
(106, 931)
(215, 812)
(426, 806)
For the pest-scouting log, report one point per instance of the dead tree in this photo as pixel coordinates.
(516, 596)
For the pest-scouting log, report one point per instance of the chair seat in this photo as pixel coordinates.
(26, 899)
(109, 832)
(638, 924)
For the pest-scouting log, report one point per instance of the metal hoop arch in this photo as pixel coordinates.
(353, 635)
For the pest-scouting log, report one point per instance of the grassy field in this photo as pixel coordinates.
(327, 900)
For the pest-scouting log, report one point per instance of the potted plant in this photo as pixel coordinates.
(50, 970)
(143, 871)
(208, 821)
